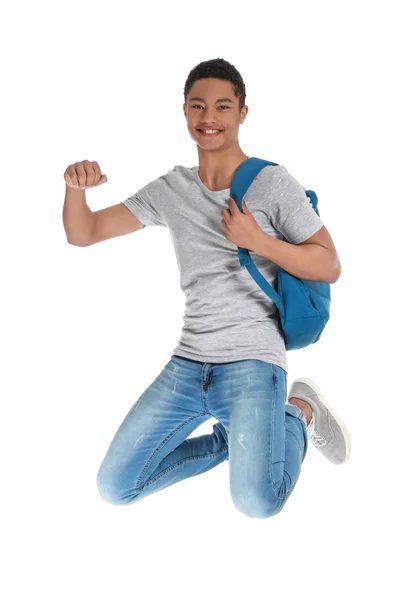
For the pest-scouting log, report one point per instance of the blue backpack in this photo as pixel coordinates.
(303, 305)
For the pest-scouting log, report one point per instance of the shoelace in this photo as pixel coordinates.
(313, 435)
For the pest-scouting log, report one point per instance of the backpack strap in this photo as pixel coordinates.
(242, 180)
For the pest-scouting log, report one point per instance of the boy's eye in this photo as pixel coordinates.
(221, 106)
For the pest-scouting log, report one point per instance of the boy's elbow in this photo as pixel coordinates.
(334, 276)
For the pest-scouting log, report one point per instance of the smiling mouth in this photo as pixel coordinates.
(202, 132)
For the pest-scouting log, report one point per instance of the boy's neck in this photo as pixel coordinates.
(216, 170)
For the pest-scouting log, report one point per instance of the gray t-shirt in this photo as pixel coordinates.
(227, 315)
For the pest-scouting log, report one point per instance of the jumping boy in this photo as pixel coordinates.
(230, 362)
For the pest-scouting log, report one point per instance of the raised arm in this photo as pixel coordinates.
(84, 227)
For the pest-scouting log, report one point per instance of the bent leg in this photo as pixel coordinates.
(150, 451)
(267, 438)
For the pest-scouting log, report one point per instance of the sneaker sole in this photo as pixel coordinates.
(323, 400)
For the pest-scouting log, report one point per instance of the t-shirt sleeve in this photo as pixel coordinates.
(291, 212)
(147, 203)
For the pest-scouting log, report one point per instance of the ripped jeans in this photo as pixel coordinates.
(263, 438)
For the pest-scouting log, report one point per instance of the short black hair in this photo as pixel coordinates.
(217, 68)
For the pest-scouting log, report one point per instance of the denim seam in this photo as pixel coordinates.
(180, 462)
(204, 387)
(163, 443)
(275, 489)
(271, 434)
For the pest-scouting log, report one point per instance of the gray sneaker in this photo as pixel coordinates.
(325, 430)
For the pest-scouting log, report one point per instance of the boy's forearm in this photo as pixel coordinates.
(307, 261)
(77, 217)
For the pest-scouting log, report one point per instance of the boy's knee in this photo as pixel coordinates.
(109, 491)
(256, 506)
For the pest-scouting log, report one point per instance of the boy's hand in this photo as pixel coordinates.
(84, 175)
(240, 228)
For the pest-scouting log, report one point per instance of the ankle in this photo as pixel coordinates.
(304, 406)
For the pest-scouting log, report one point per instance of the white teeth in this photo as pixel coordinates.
(210, 130)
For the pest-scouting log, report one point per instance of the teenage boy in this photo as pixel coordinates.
(230, 362)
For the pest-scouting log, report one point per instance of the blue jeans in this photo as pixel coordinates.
(263, 438)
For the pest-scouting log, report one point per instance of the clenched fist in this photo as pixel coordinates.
(84, 175)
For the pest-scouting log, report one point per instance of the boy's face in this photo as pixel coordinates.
(208, 112)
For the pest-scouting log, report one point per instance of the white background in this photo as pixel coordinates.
(332, 95)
